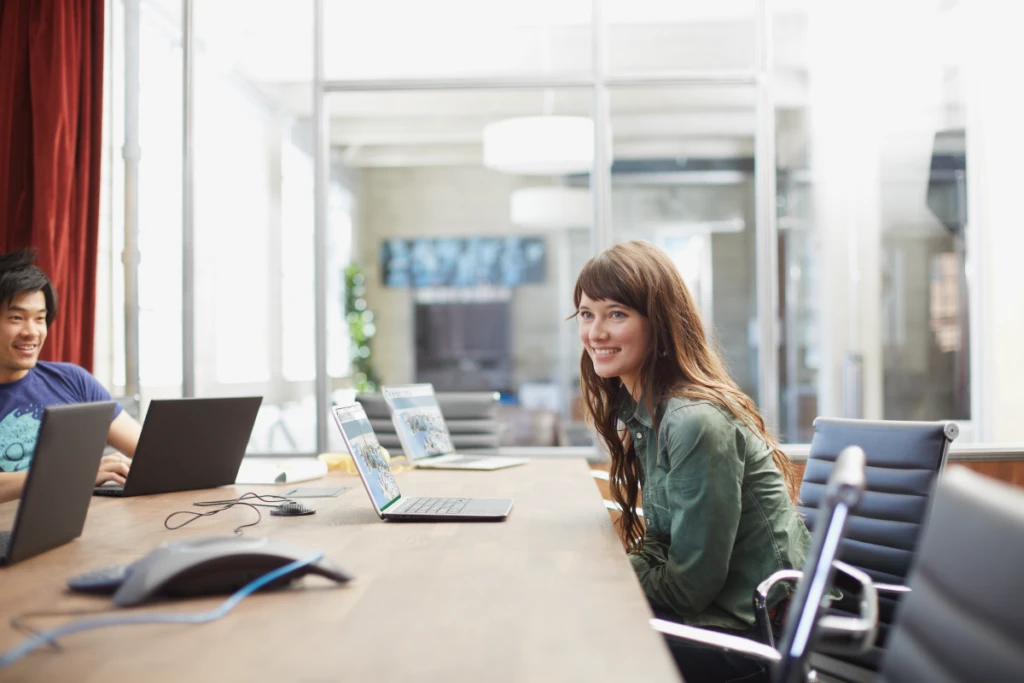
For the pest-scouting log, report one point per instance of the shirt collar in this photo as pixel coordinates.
(631, 410)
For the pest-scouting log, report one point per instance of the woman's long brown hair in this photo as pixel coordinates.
(680, 362)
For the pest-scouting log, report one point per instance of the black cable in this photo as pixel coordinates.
(266, 500)
(197, 515)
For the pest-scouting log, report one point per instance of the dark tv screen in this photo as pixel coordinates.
(462, 261)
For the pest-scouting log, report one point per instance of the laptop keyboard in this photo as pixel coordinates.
(108, 491)
(435, 506)
(467, 460)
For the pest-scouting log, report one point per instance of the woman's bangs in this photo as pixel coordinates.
(602, 279)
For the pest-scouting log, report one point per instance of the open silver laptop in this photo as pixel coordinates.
(424, 435)
(382, 488)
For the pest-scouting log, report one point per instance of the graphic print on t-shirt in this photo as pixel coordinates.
(19, 430)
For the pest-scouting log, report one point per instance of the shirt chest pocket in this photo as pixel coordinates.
(657, 517)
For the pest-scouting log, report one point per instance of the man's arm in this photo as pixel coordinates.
(11, 484)
(124, 433)
(124, 436)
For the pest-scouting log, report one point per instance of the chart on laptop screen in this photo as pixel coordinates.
(418, 420)
(367, 455)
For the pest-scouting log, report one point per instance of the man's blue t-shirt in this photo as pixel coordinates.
(22, 403)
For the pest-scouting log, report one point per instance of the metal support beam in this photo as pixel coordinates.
(131, 152)
(766, 238)
(321, 177)
(188, 382)
(601, 173)
(643, 79)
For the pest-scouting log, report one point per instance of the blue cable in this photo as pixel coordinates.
(41, 639)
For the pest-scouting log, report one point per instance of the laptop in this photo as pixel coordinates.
(380, 484)
(424, 435)
(188, 444)
(57, 489)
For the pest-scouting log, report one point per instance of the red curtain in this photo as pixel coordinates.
(51, 117)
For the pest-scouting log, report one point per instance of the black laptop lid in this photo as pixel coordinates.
(191, 443)
(59, 484)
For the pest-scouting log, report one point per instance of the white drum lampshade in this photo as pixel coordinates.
(540, 145)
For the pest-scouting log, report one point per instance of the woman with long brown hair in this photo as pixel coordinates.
(718, 493)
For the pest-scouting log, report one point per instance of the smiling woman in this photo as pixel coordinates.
(697, 446)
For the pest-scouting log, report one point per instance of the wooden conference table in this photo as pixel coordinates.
(546, 595)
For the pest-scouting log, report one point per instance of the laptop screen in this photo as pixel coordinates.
(365, 450)
(418, 420)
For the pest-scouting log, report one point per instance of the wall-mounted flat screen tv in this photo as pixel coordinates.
(462, 261)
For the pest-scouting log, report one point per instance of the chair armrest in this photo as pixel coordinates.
(847, 582)
(761, 615)
(839, 634)
(714, 638)
(852, 634)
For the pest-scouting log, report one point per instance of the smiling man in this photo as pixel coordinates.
(28, 306)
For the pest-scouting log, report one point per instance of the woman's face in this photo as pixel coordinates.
(616, 337)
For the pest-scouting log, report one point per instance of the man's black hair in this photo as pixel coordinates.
(20, 275)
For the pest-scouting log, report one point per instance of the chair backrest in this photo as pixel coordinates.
(841, 494)
(471, 417)
(904, 460)
(964, 619)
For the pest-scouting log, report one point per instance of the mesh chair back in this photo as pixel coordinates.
(964, 620)
(904, 460)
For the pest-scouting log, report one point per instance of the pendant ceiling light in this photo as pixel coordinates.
(540, 145)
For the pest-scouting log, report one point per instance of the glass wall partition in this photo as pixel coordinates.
(872, 207)
(469, 232)
(156, 197)
(682, 178)
(253, 178)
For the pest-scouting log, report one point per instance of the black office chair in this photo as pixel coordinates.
(964, 620)
(806, 624)
(904, 460)
(471, 417)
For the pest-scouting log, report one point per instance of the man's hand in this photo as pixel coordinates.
(113, 467)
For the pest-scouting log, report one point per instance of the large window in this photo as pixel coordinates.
(459, 145)
(872, 217)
